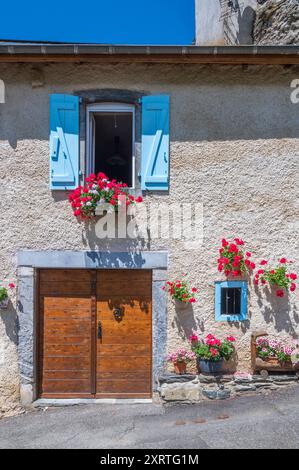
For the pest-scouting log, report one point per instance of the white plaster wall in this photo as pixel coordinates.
(234, 147)
(218, 24)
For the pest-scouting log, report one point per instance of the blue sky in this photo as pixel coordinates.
(100, 21)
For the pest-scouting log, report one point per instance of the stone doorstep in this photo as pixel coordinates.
(186, 392)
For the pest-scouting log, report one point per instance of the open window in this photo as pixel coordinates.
(231, 301)
(110, 141)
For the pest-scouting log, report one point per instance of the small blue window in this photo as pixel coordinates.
(231, 301)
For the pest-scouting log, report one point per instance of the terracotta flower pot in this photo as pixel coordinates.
(180, 368)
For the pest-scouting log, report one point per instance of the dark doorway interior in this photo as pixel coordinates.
(114, 145)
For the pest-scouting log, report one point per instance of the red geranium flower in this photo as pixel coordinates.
(232, 339)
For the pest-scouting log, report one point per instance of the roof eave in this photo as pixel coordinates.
(148, 54)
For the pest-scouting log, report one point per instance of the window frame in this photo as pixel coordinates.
(107, 107)
(244, 301)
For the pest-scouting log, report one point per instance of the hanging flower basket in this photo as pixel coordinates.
(4, 297)
(100, 193)
(234, 260)
(180, 292)
(278, 277)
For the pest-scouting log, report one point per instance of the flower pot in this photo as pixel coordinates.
(210, 367)
(4, 303)
(180, 368)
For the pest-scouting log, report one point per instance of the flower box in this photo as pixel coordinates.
(269, 364)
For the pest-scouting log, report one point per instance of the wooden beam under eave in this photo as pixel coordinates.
(232, 59)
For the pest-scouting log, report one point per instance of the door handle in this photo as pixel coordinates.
(100, 330)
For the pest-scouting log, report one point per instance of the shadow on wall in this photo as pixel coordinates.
(186, 322)
(10, 320)
(278, 311)
(131, 248)
(246, 25)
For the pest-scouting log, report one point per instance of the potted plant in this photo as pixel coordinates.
(276, 354)
(211, 352)
(234, 260)
(181, 293)
(278, 277)
(180, 359)
(100, 191)
(4, 298)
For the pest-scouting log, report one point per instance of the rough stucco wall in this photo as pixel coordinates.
(234, 147)
(277, 23)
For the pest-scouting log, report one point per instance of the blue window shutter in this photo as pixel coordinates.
(64, 142)
(244, 302)
(155, 143)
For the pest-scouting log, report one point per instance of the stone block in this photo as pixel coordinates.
(245, 388)
(216, 394)
(174, 378)
(187, 392)
(285, 378)
(26, 394)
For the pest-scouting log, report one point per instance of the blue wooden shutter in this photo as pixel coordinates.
(64, 142)
(155, 143)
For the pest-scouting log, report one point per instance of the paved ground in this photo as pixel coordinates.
(248, 422)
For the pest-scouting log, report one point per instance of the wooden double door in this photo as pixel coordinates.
(95, 333)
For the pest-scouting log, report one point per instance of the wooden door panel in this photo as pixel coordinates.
(67, 375)
(128, 375)
(124, 352)
(124, 349)
(69, 349)
(65, 330)
(73, 289)
(66, 386)
(126, 386)
(124, 363)
(134, 311)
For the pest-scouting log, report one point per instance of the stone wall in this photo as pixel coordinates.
(194, 389)
(261, 22)
(234, 148)
(277, 23)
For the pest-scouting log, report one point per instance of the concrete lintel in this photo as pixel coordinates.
(93, 260)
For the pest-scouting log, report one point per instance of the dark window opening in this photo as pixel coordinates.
(113, 139)
(231, 300)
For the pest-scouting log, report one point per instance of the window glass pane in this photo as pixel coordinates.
(114, 145)
(231, 300)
